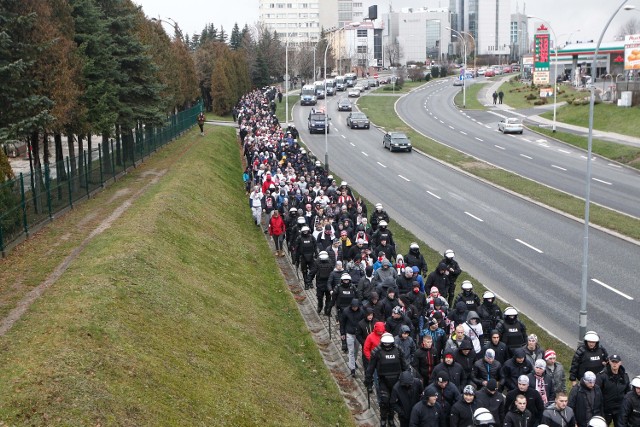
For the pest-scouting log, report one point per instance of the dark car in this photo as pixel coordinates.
(318, 122)
(358, 120)
(344, 105)
(396, 141)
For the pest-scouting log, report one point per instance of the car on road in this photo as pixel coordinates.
(344, 104)
(458, 82)
(318, 122)
(489, 73)
(354, 92)
(396, 141)
(510, 125)
(358, 120)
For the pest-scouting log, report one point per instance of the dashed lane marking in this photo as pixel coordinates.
(529, 246)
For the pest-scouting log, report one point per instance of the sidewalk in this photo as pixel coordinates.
(485, 97)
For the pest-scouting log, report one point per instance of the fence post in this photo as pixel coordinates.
(69, 182)
(113, 161)
(100, 163)
(86, 172)
(47, 187)
(24, 205)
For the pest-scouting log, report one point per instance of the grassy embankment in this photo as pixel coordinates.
(471, 97)
(606, 117)
(175, 315)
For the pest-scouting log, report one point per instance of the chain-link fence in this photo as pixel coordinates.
(33, 198)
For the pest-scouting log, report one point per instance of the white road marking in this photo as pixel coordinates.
(473, 119)
(487, 126)
(434, 195)
(558, 167)
(518, 114)
(529, 246)
(481, 140)
(364, 153)
(381, 164)
(464, 133)
(615, 166)
(525, 139)
(599, 180)
(441, 122)
(526, 157)
(604, 285)
(541, 140)
(343, 136)
(451, 127)
(497, 146)
(474, 217)
(480, 123)
(435, 117)
(352, 144)
(564, 151)
(406, 179)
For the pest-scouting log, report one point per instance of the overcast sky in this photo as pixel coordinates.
(565, 17)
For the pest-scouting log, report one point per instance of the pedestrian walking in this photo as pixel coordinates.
(201, 119)
(276, 231)
(500, 96)
(495, 97)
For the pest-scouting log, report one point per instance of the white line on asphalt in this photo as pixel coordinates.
(604, 285)
(473, 119)
(343, 136)
(525, 139)
(480, 123)
(364, 153)
(497, 146)
(599, 180)
(558, 167)
(564, 151)
(518, 114)
(481, 140)
(464, 133)
(526, 157)
(474, 217)
(352, 144)
(441, 122)
(512, 136)
(435, 117)
(434, 195)
(406, 179)
(381, 164)
(529, 246)
(487, 126)
(615, 166)
(541, 140)
(451, 127)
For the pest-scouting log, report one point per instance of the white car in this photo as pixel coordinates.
(510, 125)
(354, 92)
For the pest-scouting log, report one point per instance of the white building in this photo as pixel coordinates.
(488, 21)
(300, 20)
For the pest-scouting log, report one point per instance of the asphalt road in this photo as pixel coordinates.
(527, 254)
(430, 110)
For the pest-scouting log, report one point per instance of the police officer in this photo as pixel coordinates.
(589, 356)
(452, 265)
(306, 251)
(342, 297)
(512, 331)
(321, 271)
(630, 412)
(470, 298)
(389, 363)
(379, 214)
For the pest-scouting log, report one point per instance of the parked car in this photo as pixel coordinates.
(396, 141)
(358, 120)
(458, 82)
(344, 104)
(510, 125)
(354, 92)
(489, 73)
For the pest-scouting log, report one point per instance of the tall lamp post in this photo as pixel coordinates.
(286, 81)
(458, 34)
(174, 24)
(555, 70)
(587, 200)
(475, 49)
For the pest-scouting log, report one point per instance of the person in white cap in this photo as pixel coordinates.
(542, 382)
(586, 399)
(378, 214)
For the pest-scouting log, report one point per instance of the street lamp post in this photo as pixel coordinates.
(286, 81)
(326, 112)
(555, 71)
(587, 200)
(475, 50)
(174, 24)
(464, 73)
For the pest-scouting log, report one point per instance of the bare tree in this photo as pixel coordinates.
(632, 26)
(394, 52)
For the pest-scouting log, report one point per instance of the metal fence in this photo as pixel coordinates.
(32, 199)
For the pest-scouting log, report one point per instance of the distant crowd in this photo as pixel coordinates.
(434, 356)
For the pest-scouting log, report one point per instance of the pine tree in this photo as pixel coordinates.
(235, 42)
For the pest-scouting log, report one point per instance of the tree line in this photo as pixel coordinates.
(78, 68)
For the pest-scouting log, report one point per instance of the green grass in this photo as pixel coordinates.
(176, 315)
(380, 111)
(471, 97)
(406, 87)
(606, 117)
(515, 94)
(211, 116)
(281, 108)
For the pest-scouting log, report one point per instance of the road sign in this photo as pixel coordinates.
(375, 76)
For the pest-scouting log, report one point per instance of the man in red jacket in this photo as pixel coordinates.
(276, 230)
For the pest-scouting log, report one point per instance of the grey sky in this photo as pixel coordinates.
(565, 17)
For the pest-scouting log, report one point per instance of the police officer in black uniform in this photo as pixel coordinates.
(389, 362)
(306, 251)
(512, 331)
(321, 271)
(342, 297)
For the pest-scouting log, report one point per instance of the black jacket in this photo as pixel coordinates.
(350, 320)
(447, 397)
(512, 370)
(630, 411)
(414, 257)
(457, 376)
(405, 394)
(534, 402)
(613, 387)
(365, 327)
(424, 361)
(585, 360)
(516, 418)
(493, 402)
(462, 413)
(423, 415)
(484, 371)
(580, 402)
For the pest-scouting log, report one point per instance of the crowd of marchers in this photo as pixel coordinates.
(434, 357)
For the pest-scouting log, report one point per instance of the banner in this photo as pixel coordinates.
(541, 56)
(632, 52)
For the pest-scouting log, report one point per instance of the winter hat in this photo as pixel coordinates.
(434, 289)
(443, 377)
(490, 354)
(523, 379)
(549, 354)
(533, 337)
(492, 385)
(540, 364)
(518, 353)
(430, 392)
(589, 377)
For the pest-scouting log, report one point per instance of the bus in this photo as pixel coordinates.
(319, 85)
(308, 95)
(351, 78)
(331, 87)
(341, 83)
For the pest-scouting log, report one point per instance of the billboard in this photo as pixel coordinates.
(541, 56)
(632, 52)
